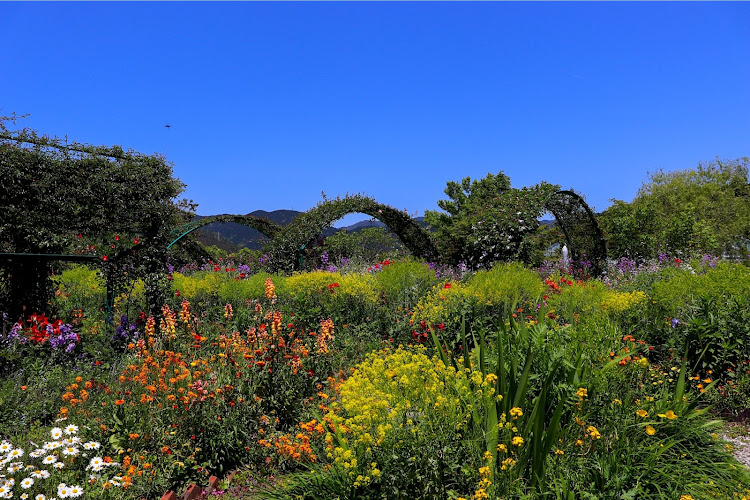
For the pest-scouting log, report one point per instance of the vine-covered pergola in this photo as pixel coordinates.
(287, 247)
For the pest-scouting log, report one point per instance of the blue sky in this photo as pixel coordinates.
(271, 104)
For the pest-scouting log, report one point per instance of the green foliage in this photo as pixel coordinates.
(57, 195)
(486, 220)
(370, 244)
(700, 210)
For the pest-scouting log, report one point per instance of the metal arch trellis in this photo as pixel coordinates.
(264, 226)
(287, 247)
(584, 237)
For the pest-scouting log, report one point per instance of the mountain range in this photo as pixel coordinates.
(231, 236)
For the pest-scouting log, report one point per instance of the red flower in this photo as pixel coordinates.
(447, 285)
(136, 241)
(104, 258)
(117, 238)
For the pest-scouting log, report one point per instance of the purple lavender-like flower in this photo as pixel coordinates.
(675, 322)
(244, 268)
(324, 258)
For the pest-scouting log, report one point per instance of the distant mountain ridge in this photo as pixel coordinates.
(231, 236)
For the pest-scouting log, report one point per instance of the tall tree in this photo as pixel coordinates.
(487, 220)
(705, 209)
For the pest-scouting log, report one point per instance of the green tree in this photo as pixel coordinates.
(368, 245)
(486, 220)
(705, 209)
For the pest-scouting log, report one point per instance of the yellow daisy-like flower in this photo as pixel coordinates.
(670, 415)
(686, 497)
(642, 413)
(517, 441)
(650, 430)
(582, 392)
(502, 447)
(516, 412)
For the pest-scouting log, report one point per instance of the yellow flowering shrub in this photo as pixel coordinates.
(250, 288)
(403, 404)
(444, 303)
(198, 286)
(505, 282)
(621, 302)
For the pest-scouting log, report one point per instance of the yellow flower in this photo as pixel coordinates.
(593, 432)
(559, 452)
(517, 441)
(582, 393)
(670, 415)
(487, 455)
(617, 401)
(502, 447)
(516, 412)
(642, 413)
(686, 497)
(650, 430)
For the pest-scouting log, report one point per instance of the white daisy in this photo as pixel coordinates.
(92, 445)
(17, 453)
(30, 467)
(38, 453)
(13, 469)
(96, 462)
(45, 474)
(75, 491)
(3, 491)
(40, 497)
(58, 465)
(62, 490)
(24, 496)
(52, 445)
(5, 446)
(71, 429)
(49, 459)
(70, 450)
(27, 483)
(56, 433)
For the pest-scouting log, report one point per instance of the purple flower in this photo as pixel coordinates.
(675, 322)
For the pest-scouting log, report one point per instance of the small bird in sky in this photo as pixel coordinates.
(168, 125)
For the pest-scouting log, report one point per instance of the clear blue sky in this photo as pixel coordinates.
(272, 103)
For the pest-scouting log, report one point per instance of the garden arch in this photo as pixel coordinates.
(582, 233)
(264, 226)
(295, 237)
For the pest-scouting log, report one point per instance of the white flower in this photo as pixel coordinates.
(96, 462)
(49, 459)
(56, 433)
(92, 445)
(30, 467)
(58, 465)
(40, 497)
(71, 429)
(71, 440)
(52, 445)
(27, 483)
(5, 446)
(75, 491)
(17, 453)
(70, 450)
(24, 496)
(45, 474)
(38, 474)
(62, 490)
(3, 490)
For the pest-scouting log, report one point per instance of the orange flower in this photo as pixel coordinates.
(119, 402)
